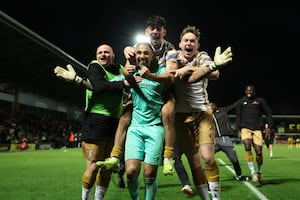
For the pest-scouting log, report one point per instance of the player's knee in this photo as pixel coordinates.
(149, 180)
(92, 167)
(132, 171)
(209, 162)
(168, 107)
(167, 115)
(259, 154)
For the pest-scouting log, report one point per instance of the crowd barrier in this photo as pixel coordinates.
(17, 147)
(282, 138)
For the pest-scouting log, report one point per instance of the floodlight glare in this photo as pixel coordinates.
(142, 38)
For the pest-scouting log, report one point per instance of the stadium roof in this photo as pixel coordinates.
(27, 61)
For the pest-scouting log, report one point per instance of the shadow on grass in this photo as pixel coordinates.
(278, 181)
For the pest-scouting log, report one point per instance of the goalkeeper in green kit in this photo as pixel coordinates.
(104, 101)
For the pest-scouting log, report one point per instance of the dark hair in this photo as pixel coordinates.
(191, 29)
(156, 21)
(250, 85)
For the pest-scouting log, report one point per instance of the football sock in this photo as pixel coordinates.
(251, 167)
(203, 191)
(133, 187)
(87, 182)
(85, 193)
(249, 156)
(150, 188)
(99, 192)
(199, 176)
(103, 177)
(215, 188)
(212, 173)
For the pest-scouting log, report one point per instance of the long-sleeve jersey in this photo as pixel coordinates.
(223, 127)
(106, 97)
(162, 52)
(103, 103)
(249, 114)
(190, 97)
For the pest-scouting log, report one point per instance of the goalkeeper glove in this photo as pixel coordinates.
(221, 59)
(68, 74)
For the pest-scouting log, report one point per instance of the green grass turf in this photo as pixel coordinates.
(56, 175)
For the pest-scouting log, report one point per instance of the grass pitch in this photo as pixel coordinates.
(56, 175)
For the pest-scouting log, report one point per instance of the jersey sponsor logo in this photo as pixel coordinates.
(90, 154)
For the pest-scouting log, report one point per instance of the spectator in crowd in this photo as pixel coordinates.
(290, 141)
(297, 143)
(71, 139)
(24, 143)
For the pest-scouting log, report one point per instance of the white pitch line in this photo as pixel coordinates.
(250, 186)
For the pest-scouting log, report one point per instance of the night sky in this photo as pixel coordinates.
(264, 41)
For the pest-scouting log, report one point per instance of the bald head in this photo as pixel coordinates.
(105, 55)
(144, 54)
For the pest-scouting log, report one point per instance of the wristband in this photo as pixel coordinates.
(78, 80)
(212, 66)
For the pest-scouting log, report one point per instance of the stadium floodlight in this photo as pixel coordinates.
(142, 38)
